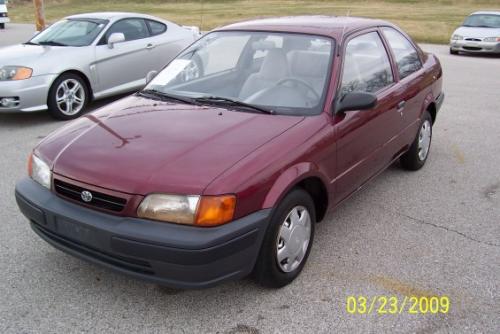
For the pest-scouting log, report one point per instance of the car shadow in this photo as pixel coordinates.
(26, 119)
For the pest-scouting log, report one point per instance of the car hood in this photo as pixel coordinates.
(30, 55)
(140, 146)
(477, 32)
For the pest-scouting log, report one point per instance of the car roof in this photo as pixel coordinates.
(111, 16)
(491, 12)
(322, 25)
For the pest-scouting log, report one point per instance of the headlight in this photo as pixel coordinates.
(39, 171)
(457, 37)
(15, 73)
(188, 210)
(492, 39)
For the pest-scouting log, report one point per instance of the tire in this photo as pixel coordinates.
(77, 97)
(2, 25)
(453, 52)
(268, 271)
(194, 69)
(417, 155)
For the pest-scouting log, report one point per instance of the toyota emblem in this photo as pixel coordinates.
(86, 196)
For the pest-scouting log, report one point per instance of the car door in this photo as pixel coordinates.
(165, 43)
(411, 75)
(124, 66)
(365, 137)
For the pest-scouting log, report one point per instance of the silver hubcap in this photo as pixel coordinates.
(293, 239)
(424, 140)
(70, 97)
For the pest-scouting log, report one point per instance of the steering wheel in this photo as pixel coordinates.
(302, 83)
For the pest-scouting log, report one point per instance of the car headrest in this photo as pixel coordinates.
(308, 63)
(275, 65)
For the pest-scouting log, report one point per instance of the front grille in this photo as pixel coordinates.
(472, 48)
(99, 200)
(473, 39)
(126, 263)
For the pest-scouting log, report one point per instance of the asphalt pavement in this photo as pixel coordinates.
(435, 232)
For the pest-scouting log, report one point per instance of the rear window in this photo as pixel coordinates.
(156, 27)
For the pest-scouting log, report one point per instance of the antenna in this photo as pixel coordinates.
(343, 30)
(345, 24)
(201, 15)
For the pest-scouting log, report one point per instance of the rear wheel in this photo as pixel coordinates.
(68, 97)
(288, 241)
(417, 155)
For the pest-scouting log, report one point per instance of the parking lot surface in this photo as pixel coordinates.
(435, 232)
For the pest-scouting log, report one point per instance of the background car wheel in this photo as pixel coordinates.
(288, 241)
(453, 52)
(417, 155)
(194, 70)
(2, 25)
(68, 97)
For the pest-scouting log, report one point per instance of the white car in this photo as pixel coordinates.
(480, 33)
(4, 16)
(85, 57)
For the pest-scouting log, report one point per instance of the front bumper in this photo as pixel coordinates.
(30, 94)
(4, 19)
(168, 254)
(475, 46)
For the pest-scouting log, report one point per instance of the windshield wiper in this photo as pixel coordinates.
(156, 94)
(30, 43)
(228, 101)
(52, 43)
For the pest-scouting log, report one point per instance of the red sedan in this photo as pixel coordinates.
(223, 164)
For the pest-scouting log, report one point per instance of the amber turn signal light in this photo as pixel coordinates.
(30, 165)
(215, 210)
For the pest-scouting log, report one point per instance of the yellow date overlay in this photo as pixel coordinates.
(397, 305)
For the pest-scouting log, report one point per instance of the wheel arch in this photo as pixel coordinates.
(307, 177)
(430, 106)
(81, 75)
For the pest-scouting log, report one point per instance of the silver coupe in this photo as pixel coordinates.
(86, 57)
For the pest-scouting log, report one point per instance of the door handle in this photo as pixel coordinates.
(401, 106)
(150, 46)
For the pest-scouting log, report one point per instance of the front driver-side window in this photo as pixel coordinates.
(366, 65)
(132, 29)
(406, 55)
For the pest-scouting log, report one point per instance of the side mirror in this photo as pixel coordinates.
(150, 76)
(356, 101)
(116, 37)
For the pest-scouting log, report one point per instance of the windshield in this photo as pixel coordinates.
(2, 2)
(71, 32)
(483, 21)
(282, 73)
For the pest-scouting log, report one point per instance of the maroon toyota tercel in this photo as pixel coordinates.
(223, 164)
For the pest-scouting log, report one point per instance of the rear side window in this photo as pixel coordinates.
(406, 55)
(366, 65)
(156, 27)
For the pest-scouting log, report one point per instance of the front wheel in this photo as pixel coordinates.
(416, 156)
(288, 241)
(68, 97)
(453, 52)
(2, 25)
